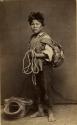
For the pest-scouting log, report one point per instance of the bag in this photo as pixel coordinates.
(58, 56)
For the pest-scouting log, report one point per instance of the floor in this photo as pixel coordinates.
(64, 114)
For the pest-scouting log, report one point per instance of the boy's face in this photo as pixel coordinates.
(36, 26)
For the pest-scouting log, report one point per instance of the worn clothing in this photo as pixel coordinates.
(41, 43)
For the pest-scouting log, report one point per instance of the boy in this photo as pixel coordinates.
(43, 54)
(41, 44)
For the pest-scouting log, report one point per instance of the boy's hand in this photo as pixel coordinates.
(39, 55)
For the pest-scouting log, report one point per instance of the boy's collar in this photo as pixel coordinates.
(38, 34)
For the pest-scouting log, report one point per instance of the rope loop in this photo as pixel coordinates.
(32, 67)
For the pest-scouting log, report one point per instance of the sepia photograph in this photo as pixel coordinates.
(38, 62)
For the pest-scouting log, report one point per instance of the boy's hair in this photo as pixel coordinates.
(36, 16)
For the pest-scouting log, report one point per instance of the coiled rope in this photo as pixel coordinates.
(32, 67)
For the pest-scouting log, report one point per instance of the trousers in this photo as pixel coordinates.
(43, 86)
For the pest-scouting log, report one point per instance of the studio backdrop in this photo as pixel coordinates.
(60, 19)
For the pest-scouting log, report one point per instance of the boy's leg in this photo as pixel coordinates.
(39, 95)
(45, 94)
(48, 82)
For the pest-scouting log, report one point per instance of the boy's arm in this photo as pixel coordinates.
(46, 54)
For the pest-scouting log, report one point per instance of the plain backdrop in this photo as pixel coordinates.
(60, 19)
